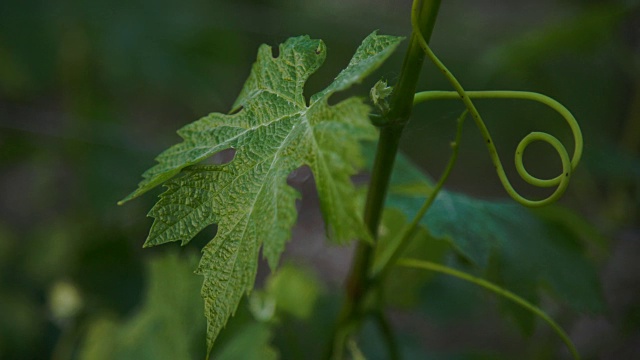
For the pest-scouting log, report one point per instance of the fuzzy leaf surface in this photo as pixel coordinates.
(273, 131)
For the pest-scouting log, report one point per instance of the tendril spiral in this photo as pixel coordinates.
(568, 164)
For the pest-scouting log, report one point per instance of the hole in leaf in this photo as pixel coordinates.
(298, 205)
(275, 52)
(221, 158)
(299, 176)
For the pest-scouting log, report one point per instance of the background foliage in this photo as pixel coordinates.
(91, 91)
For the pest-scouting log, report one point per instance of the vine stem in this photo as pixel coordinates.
(363, 295)
(386, 262)
(359, 284)
(387, 334)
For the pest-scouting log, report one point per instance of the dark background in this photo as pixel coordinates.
(92, 91)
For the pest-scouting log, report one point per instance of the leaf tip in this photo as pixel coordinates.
(125, 200)
(129, 197)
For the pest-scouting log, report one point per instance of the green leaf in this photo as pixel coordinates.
(165, 326)
(528, 251)
(295, 290)
(379, 94)
(274, 131)
(250, 343)
(403, 285)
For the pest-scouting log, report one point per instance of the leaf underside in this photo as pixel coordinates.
(273, 131)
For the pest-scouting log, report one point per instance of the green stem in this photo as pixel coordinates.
(380, 176)
(386, 262)
(387, 335)
(427, 265)
(359, 283)
(403, 92)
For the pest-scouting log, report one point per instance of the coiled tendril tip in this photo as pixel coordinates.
(569, 164)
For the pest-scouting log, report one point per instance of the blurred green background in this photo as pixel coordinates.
(92, 91)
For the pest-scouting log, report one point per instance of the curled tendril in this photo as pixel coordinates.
(568, 164)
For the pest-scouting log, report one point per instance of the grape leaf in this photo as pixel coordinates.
(274, 132)
(529, 252)
(402, 286)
